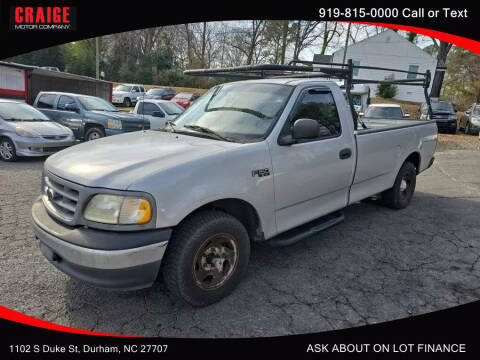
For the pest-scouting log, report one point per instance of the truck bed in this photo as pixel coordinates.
(378, 125)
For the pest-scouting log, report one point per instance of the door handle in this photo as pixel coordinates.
(345, 153)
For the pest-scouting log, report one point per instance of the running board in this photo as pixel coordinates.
(303, 231)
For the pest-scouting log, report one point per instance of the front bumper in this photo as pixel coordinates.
(447, 125)
(40, 146)
(105, 261)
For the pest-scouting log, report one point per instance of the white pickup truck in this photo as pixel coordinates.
(273, 159)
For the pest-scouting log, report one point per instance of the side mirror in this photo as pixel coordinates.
(134, 91)
(158, 114)
(406, 115)
(305, 129)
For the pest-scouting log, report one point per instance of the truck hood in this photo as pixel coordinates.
(44, 128)
(117, 161)
(121, 115)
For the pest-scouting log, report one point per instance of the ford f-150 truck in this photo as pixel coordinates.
(270, 159)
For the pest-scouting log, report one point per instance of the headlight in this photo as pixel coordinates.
(25, 133)
(452, 117)
(116, 209)
(475, 120)
(114, 124)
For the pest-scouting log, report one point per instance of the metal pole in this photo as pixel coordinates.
(346, 44)
(97, 60)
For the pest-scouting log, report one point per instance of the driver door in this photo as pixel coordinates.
(68, 113)
(312, 177)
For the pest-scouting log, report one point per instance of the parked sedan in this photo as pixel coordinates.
(470, 120)
(185, 99)
(25, 131)
(158, 93)
(158, 112)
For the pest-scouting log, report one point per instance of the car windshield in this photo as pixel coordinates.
(20, 112)
(91, 103)
(155, 91)
(442, 106)
(184, 96)
(171, 108)
(384, 112)
(123, 88)
(241, 111)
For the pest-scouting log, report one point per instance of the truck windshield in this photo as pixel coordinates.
(91, 103)
(123, 88)
(238, 111)
(384, 112)
(171, 108)
(20, 112)
(442, 106)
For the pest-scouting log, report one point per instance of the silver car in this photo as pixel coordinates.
(25, 131)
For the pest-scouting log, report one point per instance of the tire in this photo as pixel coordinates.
(127, 102)
(188, 267)
(94, 133)
(400, 195)
(7, 150)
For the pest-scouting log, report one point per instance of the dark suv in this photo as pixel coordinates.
(443, 112)
(89, 117)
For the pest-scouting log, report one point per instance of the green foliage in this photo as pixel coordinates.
(52, 56)
(386, 90)
(462, 81)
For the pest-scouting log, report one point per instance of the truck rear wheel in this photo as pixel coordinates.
(400, 195)
(206, 257)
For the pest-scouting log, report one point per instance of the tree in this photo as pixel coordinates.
(442, 49)
(329, 32)
(462, 84)
(385, 89)
(305, 35)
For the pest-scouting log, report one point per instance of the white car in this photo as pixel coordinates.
(126, 94)
(158, 112)
(385, 111)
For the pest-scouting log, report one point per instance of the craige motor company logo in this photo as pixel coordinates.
(56, 18)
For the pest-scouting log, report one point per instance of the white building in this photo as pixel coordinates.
(391, 50)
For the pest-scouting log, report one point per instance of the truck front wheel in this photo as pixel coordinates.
(206, 257)
(400, 195)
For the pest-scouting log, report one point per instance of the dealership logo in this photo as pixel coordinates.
(43, 18)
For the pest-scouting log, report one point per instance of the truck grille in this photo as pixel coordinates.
(60, 198)
(135, 126)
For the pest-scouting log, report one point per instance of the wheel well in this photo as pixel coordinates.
(243, 212)
(414, 158)
(92, 125)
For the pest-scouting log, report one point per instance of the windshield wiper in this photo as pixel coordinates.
(206, 131)
(248, 111)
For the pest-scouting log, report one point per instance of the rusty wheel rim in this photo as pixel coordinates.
(215, 261)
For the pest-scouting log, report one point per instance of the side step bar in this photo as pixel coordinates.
(313, 227)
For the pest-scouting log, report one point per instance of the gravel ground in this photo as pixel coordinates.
(458, 141)
(376, 266)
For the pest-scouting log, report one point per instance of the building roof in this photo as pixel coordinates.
(395, 34)
(385, 105)
(52, 73)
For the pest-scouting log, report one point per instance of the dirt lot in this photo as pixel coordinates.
(458, 141)
(376, 266)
